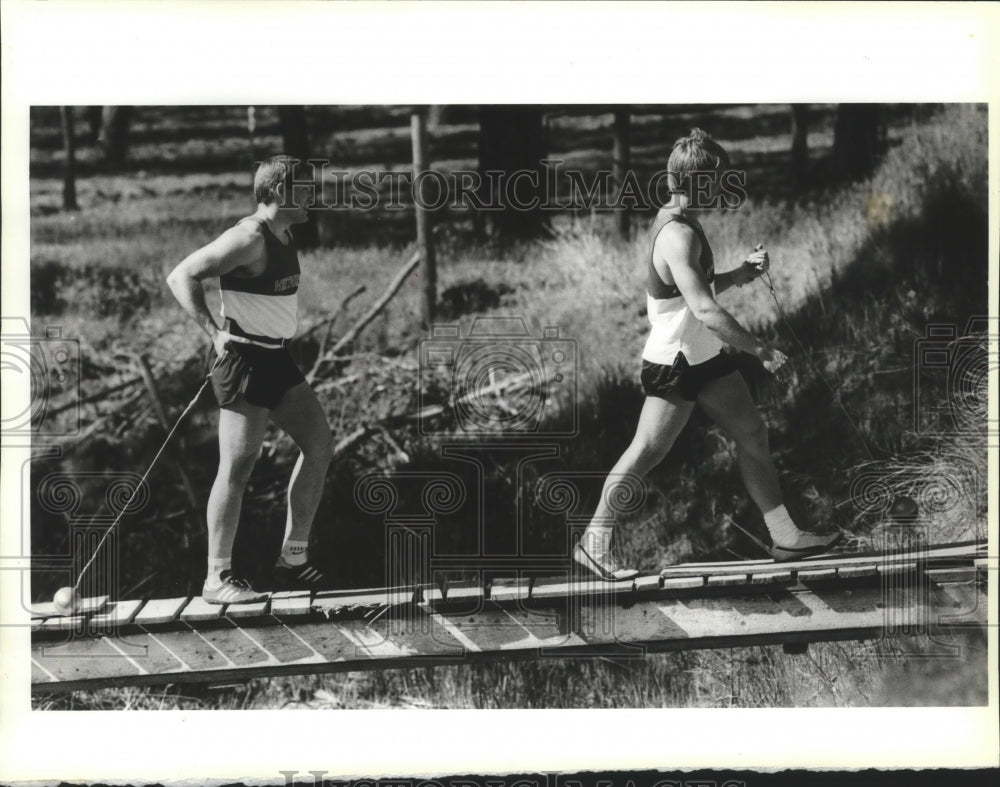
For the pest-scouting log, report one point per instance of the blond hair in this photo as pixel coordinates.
(697, 152)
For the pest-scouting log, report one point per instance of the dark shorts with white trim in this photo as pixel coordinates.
(681, 379)
(262, 375)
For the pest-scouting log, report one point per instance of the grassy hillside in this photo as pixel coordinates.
(861, 272)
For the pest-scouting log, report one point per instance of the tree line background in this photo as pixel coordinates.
(509, 138)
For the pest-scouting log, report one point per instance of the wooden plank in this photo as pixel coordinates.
(510, 589)
(40, 675)
(679, 583)
(189, 648)
(282, 594)
(282, 644)
(89, 605)
(160, 610)
(582, 587)
(888, 569)
(817, 574)
(155, 659)
(464, 593)
(327, 639)
(491, 629)
(890, 558)
(254, 609)
(118, 613)
(849, 572)
(198, 610)
(62, 623)
(235, 645)
(765, 577)
(647, 582)
(956, 574)
(722, 580)
(92, 658)
(330, 605)
(543, 629)
(290, 606)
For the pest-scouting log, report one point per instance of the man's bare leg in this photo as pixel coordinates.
(241, 433)
(300, 415)
(728, 402)
(659, 424)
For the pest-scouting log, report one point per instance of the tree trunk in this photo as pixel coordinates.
(113, 140)
(69, 166)
(94, 123)
(621, 158)
(437, 116)
(800, 145)
(857, 140)
(295, 142)
(511, 141)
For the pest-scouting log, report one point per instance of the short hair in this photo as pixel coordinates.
(697, 152)
(270, 174)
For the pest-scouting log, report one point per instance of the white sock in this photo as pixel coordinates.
(215, 568)
(596, 540)
(781, 527)
(295, 553)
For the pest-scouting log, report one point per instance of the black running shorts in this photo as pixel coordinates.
(261, 374)
(683, 380)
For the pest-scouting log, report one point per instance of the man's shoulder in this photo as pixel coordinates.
(245, 232)
(675, 238)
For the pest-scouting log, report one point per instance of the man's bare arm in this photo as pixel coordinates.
(753, 267)
(233, 249)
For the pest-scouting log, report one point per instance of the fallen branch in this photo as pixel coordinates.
(311, 375)
(355, 437)
(91, 429)
(380, 304)
(94, 397)
(330, 318)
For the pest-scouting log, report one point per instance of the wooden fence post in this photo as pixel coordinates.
(69, 165)
(621, 158)
(425, 240)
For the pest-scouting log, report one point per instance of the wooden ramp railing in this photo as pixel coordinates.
(935, 591)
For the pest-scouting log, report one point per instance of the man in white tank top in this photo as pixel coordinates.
(684, 365)
(255, 379)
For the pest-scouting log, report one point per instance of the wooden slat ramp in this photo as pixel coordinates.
(935, 590)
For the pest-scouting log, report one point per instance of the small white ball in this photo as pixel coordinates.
(66, 601)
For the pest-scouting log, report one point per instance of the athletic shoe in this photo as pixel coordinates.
(608, 569)
(805, 545)
(304, 577)
(231, 590)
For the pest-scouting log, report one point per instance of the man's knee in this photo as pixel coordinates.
(236, 470)
(319, 451)
(751, 434)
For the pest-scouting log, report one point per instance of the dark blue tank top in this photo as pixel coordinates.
(281, 274)
(655, 285)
